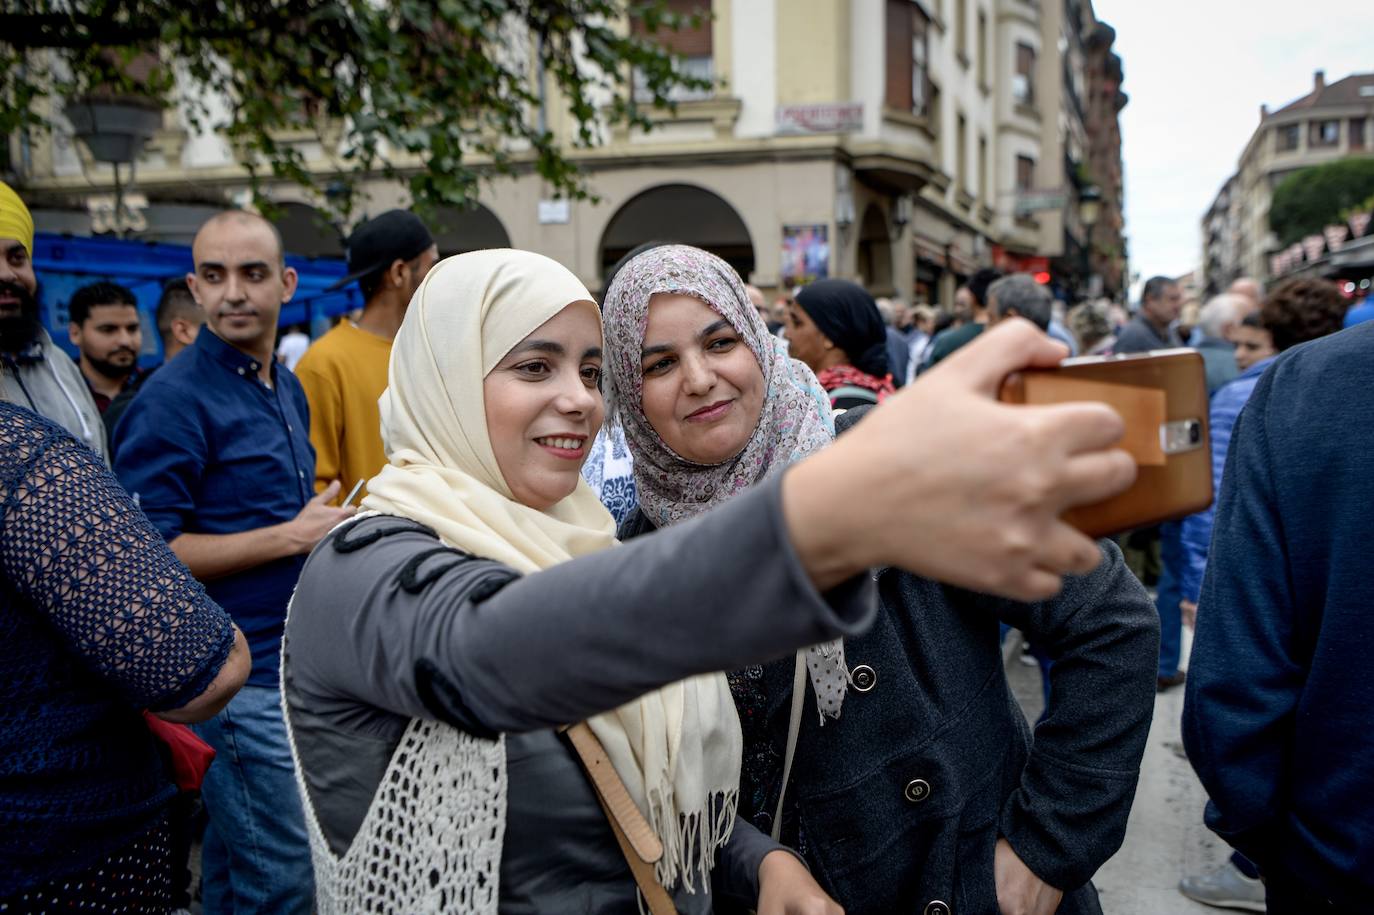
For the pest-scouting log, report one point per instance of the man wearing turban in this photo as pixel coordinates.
(34, 373)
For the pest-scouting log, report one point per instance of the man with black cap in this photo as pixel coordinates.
(345, 371)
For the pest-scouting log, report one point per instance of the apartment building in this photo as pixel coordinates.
(1220, 250)
(1330, 122)
(1106, 238)
(901, 143)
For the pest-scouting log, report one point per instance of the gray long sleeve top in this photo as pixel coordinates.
(44, 379)
(388, 625)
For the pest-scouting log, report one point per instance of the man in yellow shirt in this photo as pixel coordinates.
(345, 371)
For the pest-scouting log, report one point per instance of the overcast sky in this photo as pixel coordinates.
(1196, 73)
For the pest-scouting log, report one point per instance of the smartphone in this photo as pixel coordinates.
(352, 494)
(1162, 396)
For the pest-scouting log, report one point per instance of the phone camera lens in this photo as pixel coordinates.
(1194, 433)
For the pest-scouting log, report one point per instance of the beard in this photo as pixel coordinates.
(112, 369)
(19, 330)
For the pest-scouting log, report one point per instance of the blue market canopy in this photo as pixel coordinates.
(64, 264)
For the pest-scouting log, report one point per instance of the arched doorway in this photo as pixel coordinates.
(458, 231)
(875, 252)
(307, 232)
(680, 213)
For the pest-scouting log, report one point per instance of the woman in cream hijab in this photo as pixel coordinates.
(438, 641)
(417, 655)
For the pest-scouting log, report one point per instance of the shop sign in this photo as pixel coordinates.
(554, 212)
(838, 117)
(1010, 262)
(1028, 202)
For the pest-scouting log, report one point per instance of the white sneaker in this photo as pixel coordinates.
(1225, 888)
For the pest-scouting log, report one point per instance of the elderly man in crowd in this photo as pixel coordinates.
(1020, 296)
(216, 448)
(1214, 337)
(34, 373)
(1251, 290)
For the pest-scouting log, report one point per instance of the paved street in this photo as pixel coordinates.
(1165, 838)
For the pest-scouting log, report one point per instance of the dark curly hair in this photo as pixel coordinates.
(1302, 309)
(93, 294)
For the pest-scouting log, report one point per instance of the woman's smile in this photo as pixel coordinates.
(711, 412)
(565, 447)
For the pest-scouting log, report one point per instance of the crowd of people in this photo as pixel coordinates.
(509, 598)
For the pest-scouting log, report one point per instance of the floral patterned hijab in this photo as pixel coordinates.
(795, 419)
(794, 422)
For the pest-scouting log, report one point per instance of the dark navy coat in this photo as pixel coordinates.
(1279, 715)
(898, 804)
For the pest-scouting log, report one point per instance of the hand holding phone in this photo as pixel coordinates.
(1162, 396)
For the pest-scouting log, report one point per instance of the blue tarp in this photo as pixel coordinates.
(65, 263)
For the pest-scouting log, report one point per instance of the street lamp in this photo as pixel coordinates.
(1089, 209)
(115, 128)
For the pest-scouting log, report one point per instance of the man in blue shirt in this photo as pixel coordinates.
(216, 448)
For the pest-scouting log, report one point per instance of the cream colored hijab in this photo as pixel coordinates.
(678, 750)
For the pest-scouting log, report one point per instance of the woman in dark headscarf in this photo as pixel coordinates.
(835, 328)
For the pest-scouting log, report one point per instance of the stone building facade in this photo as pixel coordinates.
(902, 143)
(1332, 121)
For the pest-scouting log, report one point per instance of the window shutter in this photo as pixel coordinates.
(898, 54)
(690, 41)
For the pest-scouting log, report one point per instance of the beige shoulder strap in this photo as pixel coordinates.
(638, 843)
(793, 729)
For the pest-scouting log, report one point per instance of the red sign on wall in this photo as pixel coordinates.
(1010, 262)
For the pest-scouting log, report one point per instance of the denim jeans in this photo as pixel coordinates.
(1168, 597)
(256, 856)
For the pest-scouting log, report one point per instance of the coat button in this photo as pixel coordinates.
(917, 790)
(863, 677)
(937, 907)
